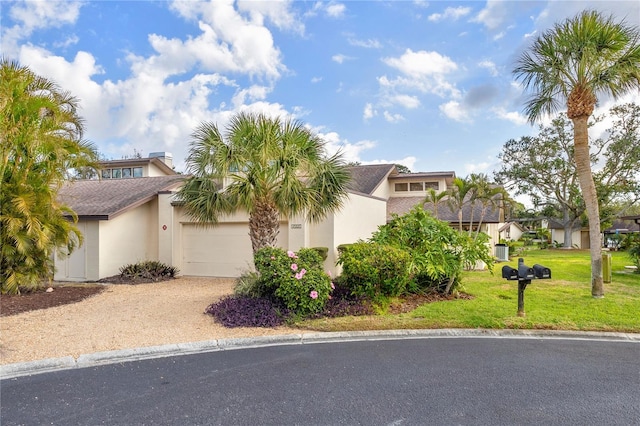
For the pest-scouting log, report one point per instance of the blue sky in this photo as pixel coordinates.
(427, 84)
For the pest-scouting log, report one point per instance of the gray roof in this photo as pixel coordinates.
(402, 205)
(365, 179)
(106, 198)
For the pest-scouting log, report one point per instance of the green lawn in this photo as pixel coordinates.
(561, 303)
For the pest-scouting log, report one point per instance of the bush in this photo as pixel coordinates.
(249, 285)
(372, 270)
(438, 252)
(295, 279)
(634, 253)
(148, 270)
(322, 251)
(248, 312)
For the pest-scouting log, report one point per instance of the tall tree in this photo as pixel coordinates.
(41, 143)
(542, 167)
(272, 168)
(574, 63)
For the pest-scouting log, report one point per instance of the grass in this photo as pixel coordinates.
(561, 303)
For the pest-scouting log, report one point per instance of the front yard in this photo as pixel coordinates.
(561, 303)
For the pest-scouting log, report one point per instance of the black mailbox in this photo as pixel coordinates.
(541, 272)
(509, 273)
(525, 273)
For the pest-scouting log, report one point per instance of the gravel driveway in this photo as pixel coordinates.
(123, 317)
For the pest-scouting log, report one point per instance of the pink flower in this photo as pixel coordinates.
(273, 258)
(303, 271)
(298, 276)
(329, 273)
(313, 294)
(292, 254)
(333, 287)
(294, 267)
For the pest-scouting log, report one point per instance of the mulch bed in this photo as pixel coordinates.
(61, 295)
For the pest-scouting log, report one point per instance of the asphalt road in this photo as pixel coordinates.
(435, 381)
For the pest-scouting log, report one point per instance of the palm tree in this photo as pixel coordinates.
(41, 143)
(579, 60)
(271, 168)
(458, 196)
(434, 197)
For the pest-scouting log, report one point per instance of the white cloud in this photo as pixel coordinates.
(421, 63)
(421, 3)
(34, 15)
(229, 41)
(340, 58)
(409, 162)
(455, 111)
(406, 101)
(336, 10)
(489, 65)
(278, 12)
(482, 167)
(369, 112)
(350, 151)
(393, 118)
(316, 79)
(69, 41)
(451, 13)
(498, 36)
(367, 44)
(513, 116)
(493, 15)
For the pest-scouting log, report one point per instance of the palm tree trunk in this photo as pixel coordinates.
(264, 225)
(583, 167)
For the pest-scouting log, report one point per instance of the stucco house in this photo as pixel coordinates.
(130, 216)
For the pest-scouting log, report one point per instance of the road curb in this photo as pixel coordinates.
(10, 371)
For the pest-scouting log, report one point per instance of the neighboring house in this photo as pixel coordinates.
(511, 231)
(622, 226)
(579, 234)
(127, 219)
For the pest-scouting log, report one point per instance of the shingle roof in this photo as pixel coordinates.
(106, 198)
(402, 205)
(365, 179)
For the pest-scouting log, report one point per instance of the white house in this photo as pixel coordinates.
(131, 215)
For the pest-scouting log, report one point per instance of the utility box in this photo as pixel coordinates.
(502, 252)
(606, 267)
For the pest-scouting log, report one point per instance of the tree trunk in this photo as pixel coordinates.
(568, 229)
(264, 225)
(588, 188)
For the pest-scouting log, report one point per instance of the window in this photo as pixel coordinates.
(106, 174)
(416, 186)
(126, 172)
(116, 173)
(431, 185)
(401, 187)
(137, 172)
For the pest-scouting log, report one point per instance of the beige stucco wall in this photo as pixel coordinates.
(129, 238)
(557, 235)
(358, 219)
(391, 192)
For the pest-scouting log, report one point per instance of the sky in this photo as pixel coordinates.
(425, 84)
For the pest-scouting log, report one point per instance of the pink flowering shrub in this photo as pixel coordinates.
(295, 279)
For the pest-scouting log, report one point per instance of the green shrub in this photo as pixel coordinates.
(634, 253)
(370, 269)
(249, 285)
(295, 279)
(322, 251)
(438, 252)
(148, 270)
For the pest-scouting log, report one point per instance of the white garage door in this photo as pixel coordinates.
(220, 251)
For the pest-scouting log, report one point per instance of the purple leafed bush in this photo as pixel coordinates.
(247, 312)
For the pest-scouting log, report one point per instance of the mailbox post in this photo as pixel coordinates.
(524, 275)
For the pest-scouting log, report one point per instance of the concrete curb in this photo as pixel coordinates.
(10, 371)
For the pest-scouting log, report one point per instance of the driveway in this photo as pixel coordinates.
(437, 380)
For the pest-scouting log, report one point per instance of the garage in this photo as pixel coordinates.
(223, 250)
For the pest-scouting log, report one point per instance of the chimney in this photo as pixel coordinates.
(165, 157)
